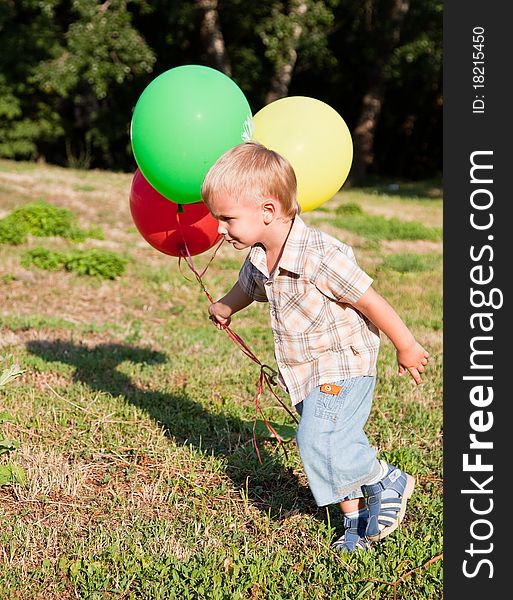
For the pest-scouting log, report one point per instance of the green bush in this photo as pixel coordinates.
(44, 259)
(101, 263)
(98, 263)
(42, 219)
(12, 233)
(349, 208)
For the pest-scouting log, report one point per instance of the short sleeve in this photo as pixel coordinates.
(340, 278)
(250, 282)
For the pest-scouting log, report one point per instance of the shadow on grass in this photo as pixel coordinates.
(270, 485)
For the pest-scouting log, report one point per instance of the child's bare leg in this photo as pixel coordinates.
(350, 506)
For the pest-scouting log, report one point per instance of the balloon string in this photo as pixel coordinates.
(267, 374)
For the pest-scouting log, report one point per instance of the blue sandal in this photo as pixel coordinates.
(354, 537)
(385, 514)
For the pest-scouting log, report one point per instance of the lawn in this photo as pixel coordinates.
(129, 433)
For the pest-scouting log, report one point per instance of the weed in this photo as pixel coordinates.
(376, 227)
(409, 262)
(100, 263)
(9, 374)
(349, 208)
(95, 233)
(43, 259)
(42, 219)
(10, 473)
(12, 232)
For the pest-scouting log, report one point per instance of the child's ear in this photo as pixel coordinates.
(269, 210)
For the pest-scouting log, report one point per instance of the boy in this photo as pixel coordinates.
(325, 318)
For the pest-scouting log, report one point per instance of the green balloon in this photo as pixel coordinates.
(184, 120)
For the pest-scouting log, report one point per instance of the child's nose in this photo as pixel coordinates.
(221, 229)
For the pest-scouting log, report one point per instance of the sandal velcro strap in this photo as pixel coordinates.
(354, 537)
(385, 514)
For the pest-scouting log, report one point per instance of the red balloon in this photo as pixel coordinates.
(170, 227)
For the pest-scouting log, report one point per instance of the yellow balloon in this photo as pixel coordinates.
(316, 141)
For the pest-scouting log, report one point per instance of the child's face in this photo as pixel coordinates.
(240, 221)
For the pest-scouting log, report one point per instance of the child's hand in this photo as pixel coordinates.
(219, 315)
(413, 359)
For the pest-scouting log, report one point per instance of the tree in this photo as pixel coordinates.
(101, 53)
(291, 28)
(71, 71)
(258, 44)
(414, 95)
(212, 36)
(390, 53)
(28, 35)
(387, 39)
(75, 62)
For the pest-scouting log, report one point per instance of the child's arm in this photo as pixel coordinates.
(222, 310)
(411, 356)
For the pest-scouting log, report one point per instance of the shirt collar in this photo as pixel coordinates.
(296, 245)
(292, 258)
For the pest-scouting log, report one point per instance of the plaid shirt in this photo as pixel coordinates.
(319, 337)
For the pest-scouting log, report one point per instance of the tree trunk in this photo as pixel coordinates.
(363, 135)
(212, 36)
(365, 129)
(280, 82)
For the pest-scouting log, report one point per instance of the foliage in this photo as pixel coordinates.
(312, 18)
(408, 134)
(349, 208)
(415, 116)
(71, 72)
(28, 120)
(44, 259)
(42, 219)
(66, 63)
(101, 263)
(11, 232)
(97, 263)
(10, 473)
(8, 375)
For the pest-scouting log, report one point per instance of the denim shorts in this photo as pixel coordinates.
(334, 449)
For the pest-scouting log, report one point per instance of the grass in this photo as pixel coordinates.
(133, 418)
(408, 262)
(350, 216)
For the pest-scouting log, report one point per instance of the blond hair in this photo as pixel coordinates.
(251, 170)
